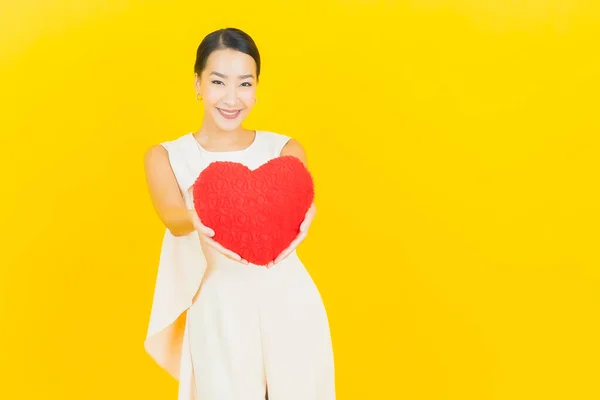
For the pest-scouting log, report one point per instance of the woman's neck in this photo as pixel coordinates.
(211, 136)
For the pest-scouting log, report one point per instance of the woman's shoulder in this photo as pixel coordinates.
(272, 135)
(273, 141)
(283, 144)
(182, 140)
(169, 149)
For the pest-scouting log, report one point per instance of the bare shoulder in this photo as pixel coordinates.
(158, 166)
(294, 148)
(154, 153)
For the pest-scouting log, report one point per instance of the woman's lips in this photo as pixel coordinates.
(229, 114)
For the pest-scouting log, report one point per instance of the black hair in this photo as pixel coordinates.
(227, 38)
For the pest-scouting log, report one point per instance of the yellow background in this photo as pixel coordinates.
(455, 150)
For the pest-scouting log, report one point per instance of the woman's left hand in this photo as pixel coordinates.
(308, 218)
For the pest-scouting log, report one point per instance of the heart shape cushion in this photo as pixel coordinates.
(255, 213)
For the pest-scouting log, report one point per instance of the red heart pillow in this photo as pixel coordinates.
(255, 213)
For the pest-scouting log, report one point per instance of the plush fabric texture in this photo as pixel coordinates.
(255, 213)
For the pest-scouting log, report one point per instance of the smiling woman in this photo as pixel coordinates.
(227, 328)
(227, 70)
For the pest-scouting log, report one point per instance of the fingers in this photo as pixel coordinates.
(200, 227)
(204, 230)
(207, 233)
(282, 256)
(223, 250)
(310, 215)
(226, 252)
(290, 248)
(303, 233)
(306, 223)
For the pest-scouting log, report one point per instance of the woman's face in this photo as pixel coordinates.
(228, 87)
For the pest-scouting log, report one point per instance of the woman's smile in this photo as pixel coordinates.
(229, 114)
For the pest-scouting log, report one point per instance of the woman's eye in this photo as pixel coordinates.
(248, 84)
(217, 82)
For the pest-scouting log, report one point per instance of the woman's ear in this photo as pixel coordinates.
(197, 82)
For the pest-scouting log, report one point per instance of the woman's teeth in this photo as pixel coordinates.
(229, 114)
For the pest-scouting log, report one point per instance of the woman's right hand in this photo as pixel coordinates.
(206, 235)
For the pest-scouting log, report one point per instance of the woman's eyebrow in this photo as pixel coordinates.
(220, 75)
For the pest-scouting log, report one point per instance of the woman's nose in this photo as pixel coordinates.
(231, 96)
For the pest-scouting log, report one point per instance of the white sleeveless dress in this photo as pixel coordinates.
(228, 331)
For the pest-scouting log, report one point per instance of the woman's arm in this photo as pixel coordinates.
(165, 194)
(170, 204)
(294, 148)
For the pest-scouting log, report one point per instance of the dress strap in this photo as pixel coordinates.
(275, 142)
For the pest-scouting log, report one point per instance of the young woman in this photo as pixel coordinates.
(226, 328)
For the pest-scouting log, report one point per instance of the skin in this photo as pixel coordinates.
(227, 82)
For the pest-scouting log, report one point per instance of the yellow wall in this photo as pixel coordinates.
(454, 146)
